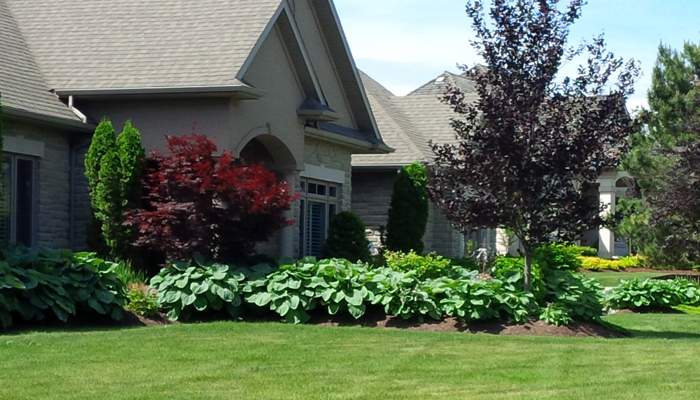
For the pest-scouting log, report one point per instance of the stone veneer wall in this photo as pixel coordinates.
(52, 213)
(332, 156)
(372, 190)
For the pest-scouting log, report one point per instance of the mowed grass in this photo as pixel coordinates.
(608, 279)
(226, 360)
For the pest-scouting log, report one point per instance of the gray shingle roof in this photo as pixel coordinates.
(107, 44)
(408, 123)
(21, 84)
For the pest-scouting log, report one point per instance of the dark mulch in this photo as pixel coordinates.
(376, 319)
(662, 271)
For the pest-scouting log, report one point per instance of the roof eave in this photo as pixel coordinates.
(241, 92)
(64, 123)
(358, 146)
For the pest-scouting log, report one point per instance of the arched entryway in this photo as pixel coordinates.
(276, 156)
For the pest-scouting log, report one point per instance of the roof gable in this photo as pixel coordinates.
(102, 44)
(22, 87)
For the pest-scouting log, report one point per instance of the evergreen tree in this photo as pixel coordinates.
(659, 154)
(114, 167)
(347, 238)
(408, 213)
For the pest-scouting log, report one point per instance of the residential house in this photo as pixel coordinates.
(408, 124)
(271, 80)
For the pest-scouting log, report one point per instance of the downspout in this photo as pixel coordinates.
(75, 148)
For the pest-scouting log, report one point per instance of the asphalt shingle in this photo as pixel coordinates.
(107, 44)
(409, 123)
(21, 83)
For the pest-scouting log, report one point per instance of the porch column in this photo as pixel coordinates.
(287, 234)
(606, 238)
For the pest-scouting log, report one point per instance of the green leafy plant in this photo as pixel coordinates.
(601, 264)
(653, 293)
(586, 251)
(555, 314)
(404, 295)
(579, 297)
(190, 287)
(480, 297)
(428, 266)
(503, 268)
(346, 238)
(409, 210)
(559, 256)
(286, 291)
(36, 282)
(142, 300)
(343, 286)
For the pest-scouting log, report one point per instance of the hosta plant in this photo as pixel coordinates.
(477, 297)
(188, 287)
(404, 295)
(286, 291)
(581, 297)
(653, 293)
(343, 286)
(39, 282)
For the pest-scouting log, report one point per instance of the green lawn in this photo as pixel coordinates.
(276, 361)
(614, 278)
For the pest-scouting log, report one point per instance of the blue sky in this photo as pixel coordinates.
(406, 43)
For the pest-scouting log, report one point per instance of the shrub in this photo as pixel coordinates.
(202, 203)
(142, 300)
(600, 264)
(503, 268)
(36, 282)
(559, 256)
(287, 291)
(408, 211)
(475, 297)
(186, 288)
(572, 296)
(653, 293)
(586, 251)
(428, 266)
(346, 238)
(404, 295)
(343, 286)
(114, 168)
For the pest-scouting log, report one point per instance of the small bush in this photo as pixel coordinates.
(408, 211)
(600, 264)
(187, 288)
(572, 296)
(343, 286)
(287, 291)
(142, 300)
(653, 293)
(404, 295)
(503, 268)
(586, 251)
(558, 256)
(425, 267)
(346, 238)
(37, 282)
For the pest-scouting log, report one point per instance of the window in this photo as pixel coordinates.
(17, 201)
(319, 203)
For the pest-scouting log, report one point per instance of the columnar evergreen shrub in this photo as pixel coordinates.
(347, 239)
(207, 204)
(114, 168)
(408, 213)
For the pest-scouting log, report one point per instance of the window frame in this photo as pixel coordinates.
(332, 207)
(11, 238)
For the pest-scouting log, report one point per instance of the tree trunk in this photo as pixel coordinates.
(527, 286)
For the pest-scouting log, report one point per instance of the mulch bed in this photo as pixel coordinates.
(494, 327)
(372, 319)
(658, 271)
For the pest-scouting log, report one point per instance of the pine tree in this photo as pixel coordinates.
(660, 169)
(409, 209)
(347, 238)
(103, 142)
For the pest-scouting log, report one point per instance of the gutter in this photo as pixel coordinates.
(244, 92)
(61, 122)
(370, 148)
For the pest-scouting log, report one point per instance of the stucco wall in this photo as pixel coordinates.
(52, 194)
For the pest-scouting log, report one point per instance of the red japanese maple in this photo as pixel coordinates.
(215, 206)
